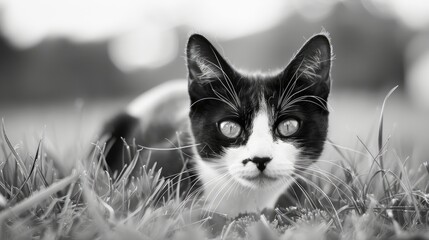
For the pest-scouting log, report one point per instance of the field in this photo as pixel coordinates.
(371, 182)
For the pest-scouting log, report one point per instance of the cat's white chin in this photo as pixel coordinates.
(258, 181)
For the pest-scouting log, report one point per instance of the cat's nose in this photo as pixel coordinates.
(261, 162)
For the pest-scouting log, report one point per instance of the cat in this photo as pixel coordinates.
(242, 140)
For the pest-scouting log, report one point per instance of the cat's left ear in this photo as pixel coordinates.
(311, 67)
(205, 64)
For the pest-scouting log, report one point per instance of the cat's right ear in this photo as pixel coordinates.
(311, 66)
(205, 64)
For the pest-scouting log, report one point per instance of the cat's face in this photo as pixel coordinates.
(257, 129)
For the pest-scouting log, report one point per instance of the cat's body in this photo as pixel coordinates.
(241, 140)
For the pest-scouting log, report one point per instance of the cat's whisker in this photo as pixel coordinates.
(344, 169)
(215, 99)
(306, 98)
(323, 173)
(227, 184)
(328, 180)
(167, 148)
(340, 167)
(303, 190)
(308, 181)
(229, 87)
(289, 96)
(200, 190)
(214, 188)
(289, 89)
(225, 100)
(190, 171)
(332, 211)
(305, 71)
(249, 190)
(185, 171)
(221, 190)
(218, 178)
(294, 82)
(322, 103)
(232, 90)
(236, 186)
(285, 96)
(346, 148)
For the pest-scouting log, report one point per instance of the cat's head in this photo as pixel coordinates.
(259, 128)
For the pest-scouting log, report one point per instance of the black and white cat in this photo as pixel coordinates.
(241, 139)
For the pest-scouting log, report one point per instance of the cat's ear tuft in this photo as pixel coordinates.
(312, 64)
(205, 64)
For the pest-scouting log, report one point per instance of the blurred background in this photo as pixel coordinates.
(67, 65)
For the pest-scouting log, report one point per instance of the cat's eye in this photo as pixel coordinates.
(230, 129)
(288, 127)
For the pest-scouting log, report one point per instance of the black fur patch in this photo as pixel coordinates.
(121, 127)
(176, 164)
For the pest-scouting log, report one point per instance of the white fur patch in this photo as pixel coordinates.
(149, 100)
(165, 103)
(226, 182)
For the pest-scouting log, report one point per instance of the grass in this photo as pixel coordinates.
(41, 199)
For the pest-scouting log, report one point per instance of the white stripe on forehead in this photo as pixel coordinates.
(260, 143)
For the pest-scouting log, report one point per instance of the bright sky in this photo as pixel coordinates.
(141, 32)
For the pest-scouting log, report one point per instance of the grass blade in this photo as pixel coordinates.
(380, 125)
(380, 139)
(12, 149)
(37, 197)
(29, 175)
